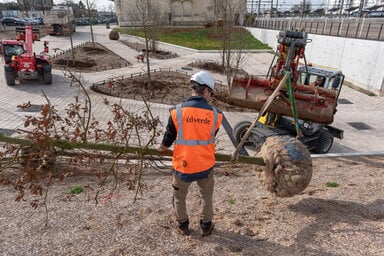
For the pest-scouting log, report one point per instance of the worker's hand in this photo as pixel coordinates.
(161, 148)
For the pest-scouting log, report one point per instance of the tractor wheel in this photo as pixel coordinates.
(311, 128)
(47, 74)
(9, 76)
(239, 131)
(288, 166)
(324, 143)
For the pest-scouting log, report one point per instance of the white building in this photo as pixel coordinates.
(174, 12)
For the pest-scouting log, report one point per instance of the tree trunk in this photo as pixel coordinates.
(67, 145)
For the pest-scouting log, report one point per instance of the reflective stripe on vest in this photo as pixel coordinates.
(181, 141)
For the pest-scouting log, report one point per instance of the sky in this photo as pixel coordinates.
(100, 4)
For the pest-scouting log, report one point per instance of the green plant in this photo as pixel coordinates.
(232, 200)
(76, 189)
(331, 184)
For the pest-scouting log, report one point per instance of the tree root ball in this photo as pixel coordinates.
(288, 166)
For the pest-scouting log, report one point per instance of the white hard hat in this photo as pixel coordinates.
(204, 78)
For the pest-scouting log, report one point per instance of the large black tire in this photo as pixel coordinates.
(324, 143)
(47, 74)
(239, 131)
(312, 129)
(9, 76)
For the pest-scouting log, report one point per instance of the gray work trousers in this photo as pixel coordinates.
(180, 191)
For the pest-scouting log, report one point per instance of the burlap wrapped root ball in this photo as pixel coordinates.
(288, 166)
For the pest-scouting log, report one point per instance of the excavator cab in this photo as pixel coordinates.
(333, 78)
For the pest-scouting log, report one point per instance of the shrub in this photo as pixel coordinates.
(114, 35)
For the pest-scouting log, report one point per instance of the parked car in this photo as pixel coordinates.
(368, 14)
(40, 21)
(11, 21)
(31, 21)
(376, 14)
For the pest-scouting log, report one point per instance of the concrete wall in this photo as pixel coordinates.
(361, 61)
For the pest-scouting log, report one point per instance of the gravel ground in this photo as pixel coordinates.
(343, 220)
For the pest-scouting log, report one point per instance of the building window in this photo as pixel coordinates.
(177, 9)
(187, 8)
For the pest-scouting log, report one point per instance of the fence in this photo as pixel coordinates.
(361, 28)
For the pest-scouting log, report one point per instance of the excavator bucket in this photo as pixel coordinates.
(315, 104)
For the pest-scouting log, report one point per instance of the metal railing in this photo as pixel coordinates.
(361, 28)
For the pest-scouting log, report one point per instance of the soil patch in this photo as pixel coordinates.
(169, 87)
(343, 220)
(87, 63)
(216, 67)
(158, 54)
(88, 59)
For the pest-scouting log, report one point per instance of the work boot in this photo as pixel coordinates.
(206, 227)
(183, 228)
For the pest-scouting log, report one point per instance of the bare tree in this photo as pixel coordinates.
(90, 7)
(24, 6)
(146, 14)
(227, 19)
(70, 35)
(303, 8)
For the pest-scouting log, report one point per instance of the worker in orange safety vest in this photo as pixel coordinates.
(192, 127)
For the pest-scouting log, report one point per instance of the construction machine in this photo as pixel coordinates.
(20, 62)
(60, 21)
(297, 106)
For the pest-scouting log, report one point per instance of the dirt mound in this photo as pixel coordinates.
(169, 87)
(87, 63)
(216, 67)
(158, 54)
(89, 58)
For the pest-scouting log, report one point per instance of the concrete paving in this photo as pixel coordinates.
(359, 115)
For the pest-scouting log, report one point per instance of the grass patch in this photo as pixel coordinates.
(200, 38)
(76, 189)
(332, 184)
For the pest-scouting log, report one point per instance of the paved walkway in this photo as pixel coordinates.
(363, 111)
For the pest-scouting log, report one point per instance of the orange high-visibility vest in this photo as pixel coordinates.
(194, 148)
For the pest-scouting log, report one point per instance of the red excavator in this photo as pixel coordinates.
(21, 63)
(288, 99)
